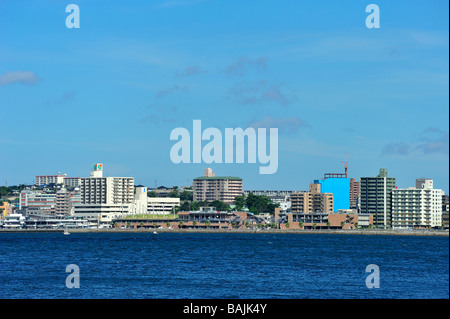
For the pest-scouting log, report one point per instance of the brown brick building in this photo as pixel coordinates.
(312, 202)
(210, 188)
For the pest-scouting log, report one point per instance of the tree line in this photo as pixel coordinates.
(254, 203)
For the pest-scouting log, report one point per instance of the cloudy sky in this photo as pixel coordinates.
(113, 90)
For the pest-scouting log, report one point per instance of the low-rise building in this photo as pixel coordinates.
(205, 218)
(321, 220)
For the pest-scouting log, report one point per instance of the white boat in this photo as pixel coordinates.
(154, 232)
(66, 232)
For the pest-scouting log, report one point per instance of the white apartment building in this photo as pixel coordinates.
(50, 179)
(104, 198)
(417, 207)
(57, 179)
(153, 205)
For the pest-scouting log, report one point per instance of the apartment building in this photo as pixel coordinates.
(375, 198)
(50, 179)
(72, 181)
(104, 198)
(65, 202)
(313, 201)
(32, 203)
(57, 179)
(417, 207)
(210, 188)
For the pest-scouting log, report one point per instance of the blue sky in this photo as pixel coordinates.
(113, 90)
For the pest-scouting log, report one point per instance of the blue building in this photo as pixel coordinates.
(339, 186)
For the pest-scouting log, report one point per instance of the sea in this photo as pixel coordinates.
(222, 266)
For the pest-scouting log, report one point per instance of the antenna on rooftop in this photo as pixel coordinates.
(345, 164)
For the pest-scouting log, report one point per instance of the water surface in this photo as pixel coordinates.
(222, 266)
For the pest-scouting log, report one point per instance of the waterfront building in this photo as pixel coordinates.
(320, 220)
(375, 197)
(417, 207)
(209, 217)
(13, 221)
(313, 201)
(55, 222)
(205, 217)
(104, 198)
(210, 188)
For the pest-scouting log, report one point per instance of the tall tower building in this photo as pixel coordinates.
(376, 197)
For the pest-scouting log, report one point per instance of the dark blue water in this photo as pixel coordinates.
(220, 266)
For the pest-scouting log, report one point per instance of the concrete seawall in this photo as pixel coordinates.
(243, 231)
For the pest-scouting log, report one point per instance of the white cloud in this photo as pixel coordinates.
(287, 125)
(24, 77)
(260, 92)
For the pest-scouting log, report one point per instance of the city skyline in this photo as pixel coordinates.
(112, 91)
(61, 177)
